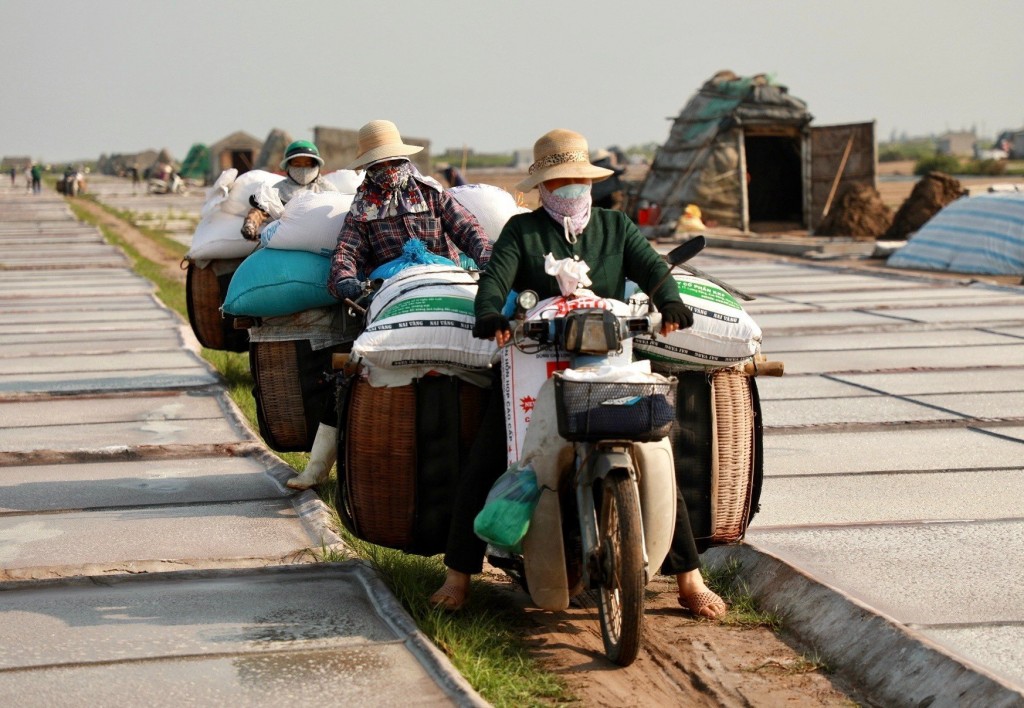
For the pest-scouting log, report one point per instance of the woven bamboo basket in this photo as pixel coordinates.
(204, 294)
(732, 455)
(393, 497)
(275, 370)
(383, 504)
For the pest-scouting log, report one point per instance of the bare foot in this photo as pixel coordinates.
(695, 596)
(453, 594)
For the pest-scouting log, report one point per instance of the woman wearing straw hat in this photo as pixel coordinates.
(394, 204)
(567, 226)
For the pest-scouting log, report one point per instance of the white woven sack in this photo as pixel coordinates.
(218, 192)
(492, 206)
(722, 335)
(244, 186)
(423, 316)
(311, 222)
(345, 181)
(219, 235)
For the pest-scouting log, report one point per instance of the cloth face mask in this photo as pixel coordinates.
(303, 175)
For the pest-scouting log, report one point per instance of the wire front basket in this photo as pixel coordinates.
(589, 411)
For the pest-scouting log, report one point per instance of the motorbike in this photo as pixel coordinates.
(604, 466)
(174, 185)
(597, 442)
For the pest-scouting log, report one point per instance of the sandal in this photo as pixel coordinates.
(449, 598)
(701, 604)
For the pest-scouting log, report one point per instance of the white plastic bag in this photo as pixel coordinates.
(245, 186)
(346, 181)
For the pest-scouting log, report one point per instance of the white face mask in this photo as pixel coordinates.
(572, 191)
(303, 175)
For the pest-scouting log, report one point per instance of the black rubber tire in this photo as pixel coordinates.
(621, 591)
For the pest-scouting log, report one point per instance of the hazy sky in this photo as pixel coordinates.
(82, 78)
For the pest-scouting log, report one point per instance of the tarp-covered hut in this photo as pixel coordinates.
(272, 151)
(196, 165)
(744, 152)
(238, 150)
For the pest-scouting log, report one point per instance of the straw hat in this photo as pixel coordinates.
(379, 139)
(561, 153)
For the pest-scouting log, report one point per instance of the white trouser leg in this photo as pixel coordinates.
(321, 458)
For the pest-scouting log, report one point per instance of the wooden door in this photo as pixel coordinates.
(838, 154)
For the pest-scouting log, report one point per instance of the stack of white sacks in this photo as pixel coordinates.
(285, 272)
(282, 281)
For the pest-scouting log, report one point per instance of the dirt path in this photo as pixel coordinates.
(147, 247)
(682, 661)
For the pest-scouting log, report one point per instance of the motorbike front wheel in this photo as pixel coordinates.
(620, 563)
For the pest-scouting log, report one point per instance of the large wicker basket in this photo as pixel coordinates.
(293, 390)
(400, 456)
(717, 446)
(205, 289)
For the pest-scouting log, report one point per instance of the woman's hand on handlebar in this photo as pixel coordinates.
(493, 326)
(675, 316)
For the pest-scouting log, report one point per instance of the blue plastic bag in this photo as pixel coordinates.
(414, 252)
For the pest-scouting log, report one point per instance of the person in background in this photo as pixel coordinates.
(37, 178)
(566, 225)
(608, 193)
(451, 175)
(14, 172)
(394, 204)
(301, 163)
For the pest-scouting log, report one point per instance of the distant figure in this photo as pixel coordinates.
(37, 178)
(608, 193)
(451, 175)
(14, 171)
(28, 178)
(135, 177)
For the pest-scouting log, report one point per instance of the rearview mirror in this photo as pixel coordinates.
(686, 251)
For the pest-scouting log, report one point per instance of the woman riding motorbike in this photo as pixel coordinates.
(567, 226)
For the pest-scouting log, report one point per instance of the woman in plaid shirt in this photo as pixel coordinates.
(396, 203)
(393, 204)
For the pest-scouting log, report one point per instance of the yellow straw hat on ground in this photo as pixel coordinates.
(379, 139)
(561, 153)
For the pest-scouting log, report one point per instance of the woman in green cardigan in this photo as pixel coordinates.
(566, 226)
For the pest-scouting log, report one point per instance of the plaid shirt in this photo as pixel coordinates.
(445, 228)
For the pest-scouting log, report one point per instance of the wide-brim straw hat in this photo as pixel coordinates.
(561, 153)
(379, 139)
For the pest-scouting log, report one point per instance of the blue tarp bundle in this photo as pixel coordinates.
(982, 234)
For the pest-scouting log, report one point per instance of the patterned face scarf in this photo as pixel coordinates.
(572, 212)
(388, 190)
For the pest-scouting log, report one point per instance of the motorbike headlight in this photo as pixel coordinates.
(526, 300)
(591, 331)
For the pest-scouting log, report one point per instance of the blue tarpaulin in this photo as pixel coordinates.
(982, 234)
